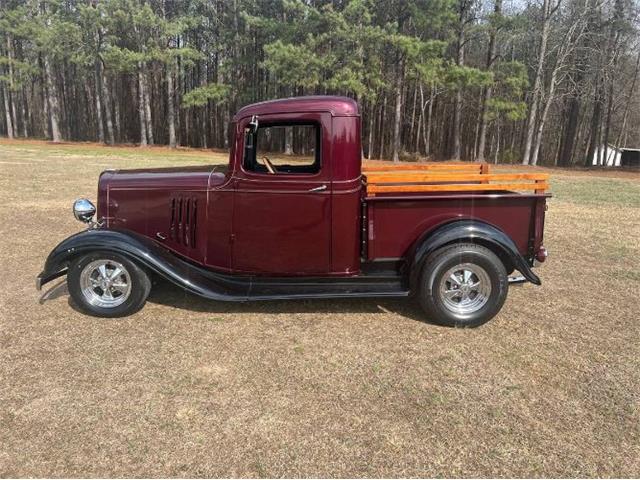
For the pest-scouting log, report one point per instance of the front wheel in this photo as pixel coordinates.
(105, 284)
(463, 285)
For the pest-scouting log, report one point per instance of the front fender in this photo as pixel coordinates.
(472, 232)
(147, 254)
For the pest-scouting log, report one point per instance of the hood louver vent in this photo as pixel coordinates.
(184, 214)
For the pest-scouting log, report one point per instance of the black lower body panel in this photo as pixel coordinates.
(214, 285)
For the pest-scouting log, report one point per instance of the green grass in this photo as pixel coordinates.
(596, 191)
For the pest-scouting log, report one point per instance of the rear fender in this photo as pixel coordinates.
(469, 231)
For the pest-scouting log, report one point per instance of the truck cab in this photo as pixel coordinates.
(296, 215)
(296, 174)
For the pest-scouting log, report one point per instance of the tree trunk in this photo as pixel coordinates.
(395, 153)
(607, 124)
(171, 114)
(413, 116)
(141, 109)
(52, 100)
(25, 116)
(225, 126)
(625, 116)
(118, 121)
(457, 115)
(7, 110)
(543, 117)
(372, 116)
(288, 141)
(97, 94)
(599, 143)
(457, 106)
(420, 120)
(12, 93)
(427, 138)
(45, 108)
(382, 116)
(488, 91)
(537, 82)
(147, 105)
(106, 96)
(497, 152)
(595, 122)
(566, 152)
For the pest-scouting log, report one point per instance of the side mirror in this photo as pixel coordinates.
(253, 124)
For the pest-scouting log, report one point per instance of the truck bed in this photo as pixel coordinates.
(405, 201)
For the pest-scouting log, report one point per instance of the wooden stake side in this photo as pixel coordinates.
(410, 177)
(538, 186)
(477, 167)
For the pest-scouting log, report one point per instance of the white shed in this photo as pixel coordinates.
(612, 156)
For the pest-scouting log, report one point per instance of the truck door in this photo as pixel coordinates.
(282, 199)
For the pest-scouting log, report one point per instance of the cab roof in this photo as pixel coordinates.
(337, 106)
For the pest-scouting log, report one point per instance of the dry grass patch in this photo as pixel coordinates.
(187, 387)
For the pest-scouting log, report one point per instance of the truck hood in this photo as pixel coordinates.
(170, 179)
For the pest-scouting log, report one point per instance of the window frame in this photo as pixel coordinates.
(283, 123)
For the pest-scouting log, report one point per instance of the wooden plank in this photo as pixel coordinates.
(484, 170)
(539, 187)
(410, 177)
(420, 167)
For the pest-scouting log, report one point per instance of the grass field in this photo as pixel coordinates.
(186, 387)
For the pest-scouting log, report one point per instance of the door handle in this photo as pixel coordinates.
(318, 189)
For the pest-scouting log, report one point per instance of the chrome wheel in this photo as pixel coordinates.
(465, 288)
(105, 283)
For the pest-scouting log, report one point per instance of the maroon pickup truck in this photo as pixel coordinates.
(295, 215)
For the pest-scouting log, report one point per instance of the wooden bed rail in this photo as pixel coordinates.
(448, 178)
(431, 167)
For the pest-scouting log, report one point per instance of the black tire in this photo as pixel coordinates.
(140, 286)
(435, 303)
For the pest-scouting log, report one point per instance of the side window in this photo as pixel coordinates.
(283, 149)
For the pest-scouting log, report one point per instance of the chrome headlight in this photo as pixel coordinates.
(83, 210)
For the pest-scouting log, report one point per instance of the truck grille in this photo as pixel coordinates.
(184, 214)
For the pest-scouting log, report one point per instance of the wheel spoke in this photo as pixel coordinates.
(116, 272)
(103, 271)
(467, 276)
(453, 277)
(452, 293)
(107, 294)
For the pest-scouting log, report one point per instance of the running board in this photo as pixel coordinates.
(517, 280)
(323, 287)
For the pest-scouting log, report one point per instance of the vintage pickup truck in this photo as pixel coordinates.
(295, 215)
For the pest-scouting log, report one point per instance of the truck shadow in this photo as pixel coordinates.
(164, 293)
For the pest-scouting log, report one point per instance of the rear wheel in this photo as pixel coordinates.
(463, 285)
(105, 284)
